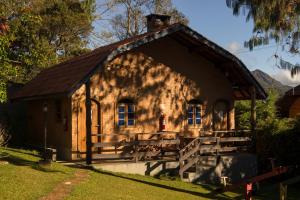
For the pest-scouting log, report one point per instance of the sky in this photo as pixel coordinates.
(214, 20)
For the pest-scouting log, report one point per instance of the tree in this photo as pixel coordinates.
(274, 20)
(266, 112)
(275, 137)
(35, 34)
(130, 18)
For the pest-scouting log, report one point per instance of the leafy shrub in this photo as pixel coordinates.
(277, 138)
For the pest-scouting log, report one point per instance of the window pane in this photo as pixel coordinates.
(121, 109)
(198, 114)
(130, 108)
(121, 116)
(130, 122)
(190, 121)
(121, 122)
(190, 115)
(130, 115)
(190, 109)
(198, 120)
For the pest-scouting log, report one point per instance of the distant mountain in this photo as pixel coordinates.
(267, 82)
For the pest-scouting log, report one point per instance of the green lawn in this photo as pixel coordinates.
(22, 178)
(112, 186)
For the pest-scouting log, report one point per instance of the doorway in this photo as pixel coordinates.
(220, 115)
(95, 126)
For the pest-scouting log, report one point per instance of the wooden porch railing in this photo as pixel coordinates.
(189, 155)
(211, 145)
(139, 148)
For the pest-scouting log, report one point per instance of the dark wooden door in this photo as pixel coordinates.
(220, 116)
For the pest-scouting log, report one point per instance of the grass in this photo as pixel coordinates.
(111, 186)
(22, 178)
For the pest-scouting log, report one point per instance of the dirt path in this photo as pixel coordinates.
(62, 190)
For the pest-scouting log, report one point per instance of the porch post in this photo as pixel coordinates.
(253, 108)
(253, 114)
(88, 123)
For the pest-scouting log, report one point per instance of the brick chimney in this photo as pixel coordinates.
(156, 21)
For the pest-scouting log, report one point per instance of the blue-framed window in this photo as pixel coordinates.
(121, 115)
(130, 115)
(126, 114)
(194, 114)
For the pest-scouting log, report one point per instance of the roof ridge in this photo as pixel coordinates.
(94, 51)
(66, 76)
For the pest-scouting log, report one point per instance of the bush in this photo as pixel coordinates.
(280, 141)
(277, 138)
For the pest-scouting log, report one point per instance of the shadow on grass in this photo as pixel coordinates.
(23, 152)
(211, 195)
(19, 161)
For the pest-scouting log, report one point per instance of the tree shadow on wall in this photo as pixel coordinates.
(148, 84)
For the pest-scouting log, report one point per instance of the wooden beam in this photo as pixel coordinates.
(253, 115)
(88, 123)
(112, 156)
(253, 108)
(235, 139)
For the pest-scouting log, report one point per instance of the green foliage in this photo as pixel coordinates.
(266, 112)
(35, 34)
(274, 20)
(276, 137)
(280, 141)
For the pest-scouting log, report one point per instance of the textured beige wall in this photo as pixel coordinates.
(152, 78)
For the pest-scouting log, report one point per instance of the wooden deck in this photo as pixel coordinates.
(167, 145)
(139, 146)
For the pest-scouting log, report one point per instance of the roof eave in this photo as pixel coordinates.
(40, 97)
(157, 35)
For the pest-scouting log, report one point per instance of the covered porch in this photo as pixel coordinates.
(168, 145)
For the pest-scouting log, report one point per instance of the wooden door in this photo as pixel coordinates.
(95, 119)
(95, 126)
(220, 116)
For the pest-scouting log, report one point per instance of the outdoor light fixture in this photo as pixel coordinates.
(45, 110)
(45, 107)
(45, 160)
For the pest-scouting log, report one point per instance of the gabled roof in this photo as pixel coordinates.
(293, 92)
(66, 77)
